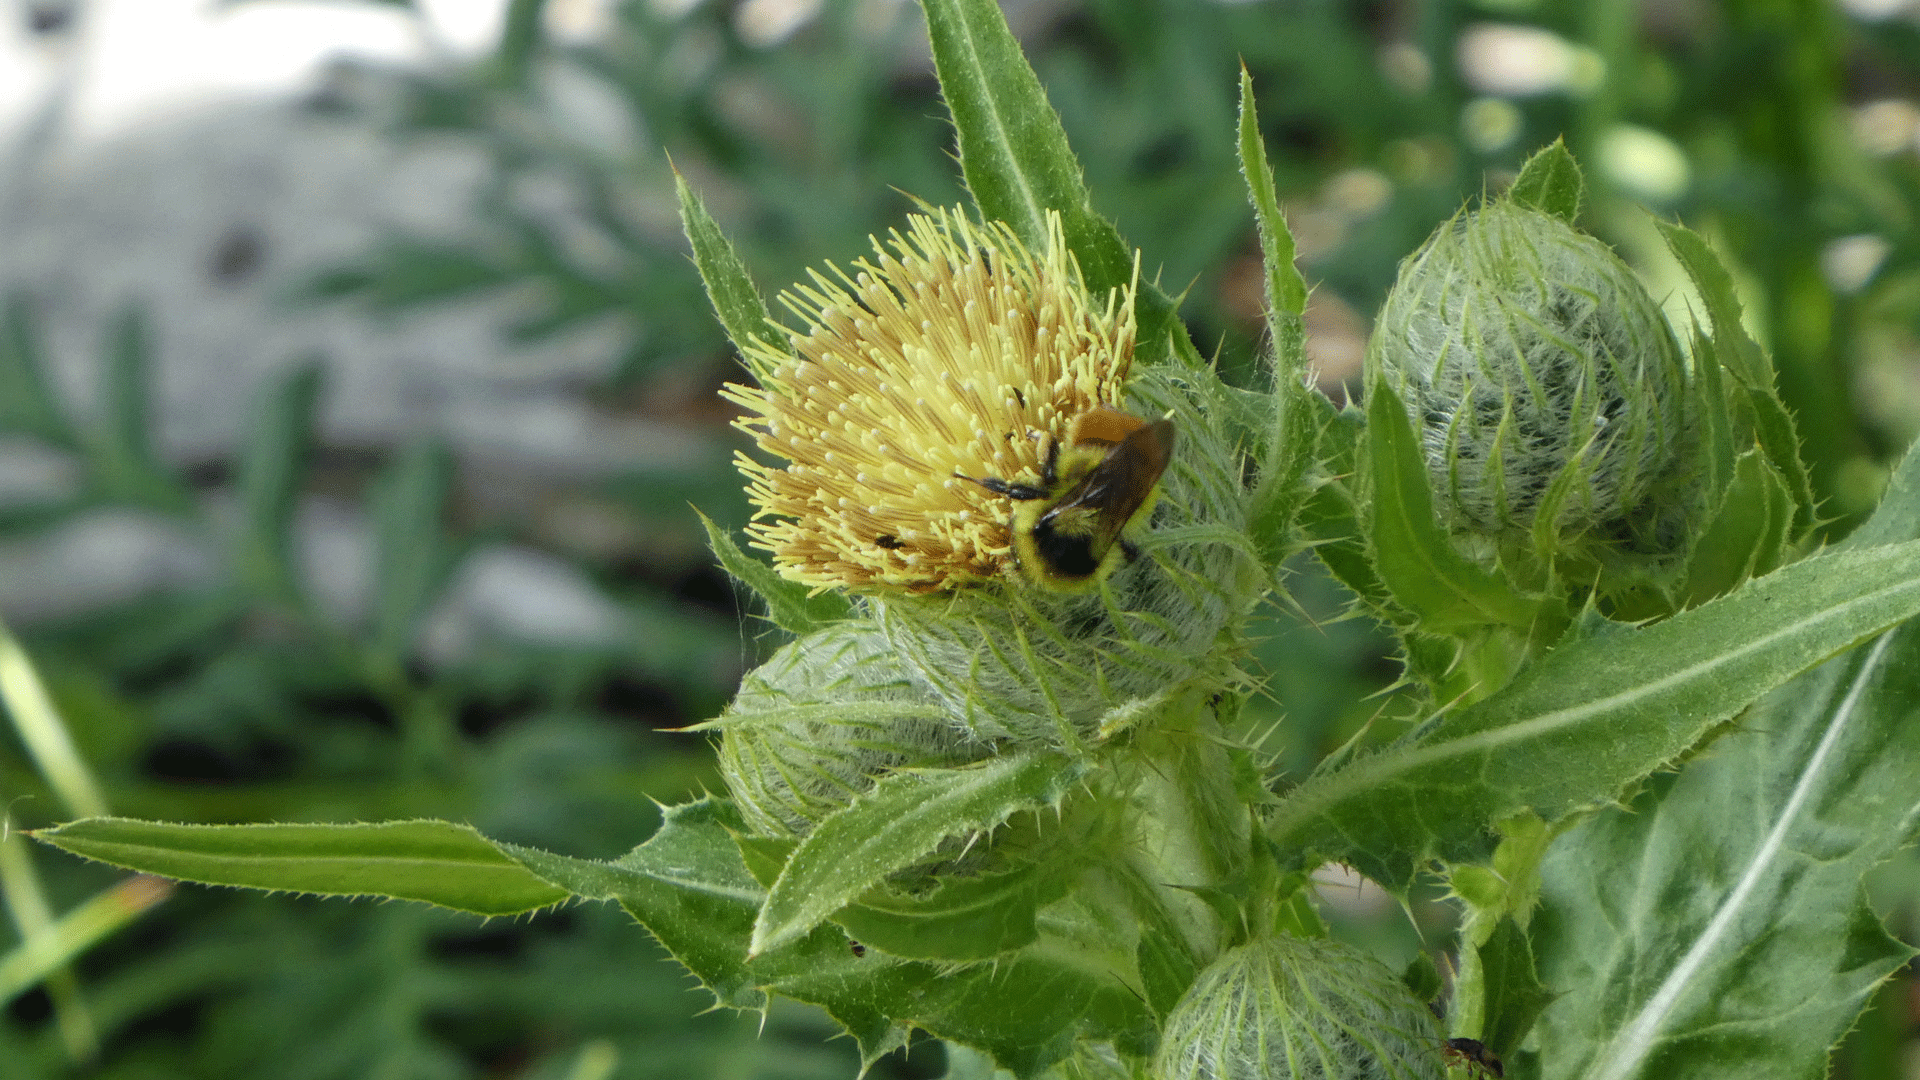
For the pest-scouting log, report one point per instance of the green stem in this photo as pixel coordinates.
(46, 738)
(41, 949)
(1193, 828)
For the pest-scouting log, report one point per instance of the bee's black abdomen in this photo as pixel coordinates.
(1066, 554)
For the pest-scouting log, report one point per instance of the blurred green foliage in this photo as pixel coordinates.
(241, 698)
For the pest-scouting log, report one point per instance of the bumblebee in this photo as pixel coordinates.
(1472, 1055)
(1068, 530)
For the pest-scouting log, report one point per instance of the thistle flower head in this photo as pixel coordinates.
(954, 352)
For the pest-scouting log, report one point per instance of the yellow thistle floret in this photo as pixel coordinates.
(956, 352)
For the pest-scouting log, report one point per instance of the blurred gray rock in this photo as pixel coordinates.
(210, 221)
(98, 558)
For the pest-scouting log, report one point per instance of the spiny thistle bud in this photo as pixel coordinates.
(1289, 1008)
(1537, 370)
(823, 719)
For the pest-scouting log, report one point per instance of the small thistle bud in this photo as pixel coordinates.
(823, 719)
(1289, 1008)
(1536, 369)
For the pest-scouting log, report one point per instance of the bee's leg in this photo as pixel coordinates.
(1020, 492)
(1130, 549)
(1050, 473)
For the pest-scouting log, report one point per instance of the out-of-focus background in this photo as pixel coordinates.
(356, 393)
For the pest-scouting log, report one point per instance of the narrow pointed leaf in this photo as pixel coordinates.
(126, 465)
(435, 862)
(735, 300)
(974, 918)
(414, 553)
(1514, 993)
(1774, 428)
(1742, 356)
(1412, 555)
(1014, 155)
(125, 435)
(901, 820)
(76, 931)
(1295, 417)
(273, 468)
(1717, 928)
(1286, 289)
(27, 403)
(1013, 150)
(1604, 708)
(1747, 535)
(789, 605)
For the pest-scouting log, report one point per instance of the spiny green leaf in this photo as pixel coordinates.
(435, 862)
(1741, 355)
(1717, 928)
(1412, 555)
(1897, 517)
(1550, 181)
(1286, 289)
(860, 993)
(789, 604)
(902, 819)
(1773, 427)
(1514, 994)
(1029, 1010)
(695, 895)
(974, 918)
(1747, 534)
(1014, 153)
(1593, 715)
(1296, 412)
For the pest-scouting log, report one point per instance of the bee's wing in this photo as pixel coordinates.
(1105, 499)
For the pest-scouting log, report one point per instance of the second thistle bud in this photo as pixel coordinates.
(1537, 371)
(815, 726)
(1289, 1008)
